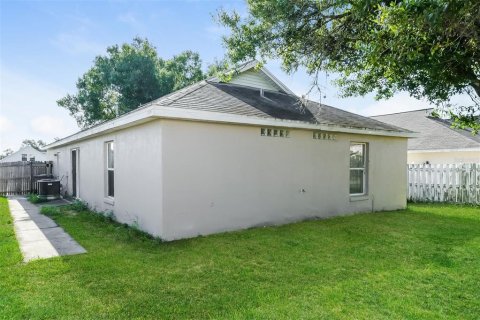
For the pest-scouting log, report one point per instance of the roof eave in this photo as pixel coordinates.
(206, 116)
(445, 150)
(164, 112)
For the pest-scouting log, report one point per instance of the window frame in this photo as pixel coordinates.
(24, 157)
(109, 169)
(364, 169)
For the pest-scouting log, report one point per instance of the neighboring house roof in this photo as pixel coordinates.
(29, 151)
(433, 133)
(213, 101)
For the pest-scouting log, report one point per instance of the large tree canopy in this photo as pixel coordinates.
(127, 77)
(430, 48)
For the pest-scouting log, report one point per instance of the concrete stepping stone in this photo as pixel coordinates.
(38, 235)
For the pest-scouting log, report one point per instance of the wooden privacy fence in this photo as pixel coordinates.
(459, 183)
(22, 177)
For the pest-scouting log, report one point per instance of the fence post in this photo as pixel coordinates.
(31, 176)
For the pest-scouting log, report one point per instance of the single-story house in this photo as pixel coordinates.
(26, 153)
(437, 142)
(216, 156)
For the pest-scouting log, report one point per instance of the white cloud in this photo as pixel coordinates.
(78, 39)
(5, 124)
(24, 103)
(215, 32)
(77, 44)
(128, 18)
(49, 126)
(398, 103)
(131, 20)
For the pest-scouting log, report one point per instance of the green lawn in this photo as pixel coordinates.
(420, 263)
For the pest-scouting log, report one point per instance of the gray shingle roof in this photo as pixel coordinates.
(247, 101)
(433, 133)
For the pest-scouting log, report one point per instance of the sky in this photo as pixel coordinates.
(45, 46)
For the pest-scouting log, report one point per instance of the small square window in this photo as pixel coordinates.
(275, 132)
(282, 133)
(263, 131)
(24, 157)
(269, 132)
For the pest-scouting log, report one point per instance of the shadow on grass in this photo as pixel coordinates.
(409, 263)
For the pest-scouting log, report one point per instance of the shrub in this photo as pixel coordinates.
(79, 205)
(35, 198)
(50, 210)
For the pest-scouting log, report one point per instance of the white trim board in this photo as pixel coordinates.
(163, 112)
(445, 150)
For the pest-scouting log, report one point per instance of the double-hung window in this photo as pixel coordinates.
(358, 168)
(110, 168)
(24, 157)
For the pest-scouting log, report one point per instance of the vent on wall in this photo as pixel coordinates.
(275, 132)
(317, 135)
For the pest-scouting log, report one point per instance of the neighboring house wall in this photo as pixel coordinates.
(446, 157)
(29, 151)
(221, 177)
(179, 179)
(138, 174)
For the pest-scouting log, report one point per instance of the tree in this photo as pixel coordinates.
(185, 69)
(218, 68)
(38, 145)
(127, 77)
(429, 48)
(6, 153)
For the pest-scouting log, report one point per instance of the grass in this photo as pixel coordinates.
(420, 263)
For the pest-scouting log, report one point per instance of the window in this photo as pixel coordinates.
(110, 175)
(24, 157)
(358, 168)
(32, 159)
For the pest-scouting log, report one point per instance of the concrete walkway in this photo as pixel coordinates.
(38, 235)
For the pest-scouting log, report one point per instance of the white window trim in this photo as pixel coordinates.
(364, 169)
(109, 199)
(77, 149)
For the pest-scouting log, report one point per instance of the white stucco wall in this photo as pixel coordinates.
(138, 175)
(224, 177)
(180, 179)
(447, 157)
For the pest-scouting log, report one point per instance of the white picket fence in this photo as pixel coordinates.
(458, 183)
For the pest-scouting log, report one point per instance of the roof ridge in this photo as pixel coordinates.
(198, 84)
(388, 114)
(457, 131)
(249, 87)
(359, 115)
